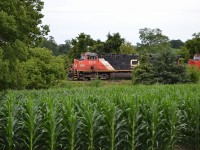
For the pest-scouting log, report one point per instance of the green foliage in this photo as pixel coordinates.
(98, 46)
(42, 69)
(177, 44)
(161, 69)
(192, 74)
(84, 43)
(192, 46)
(64, 48)
(152, 41)
(21, 20)
(21, 65)
(81, 44)
(113, 43)
(144, 74)
(13, 75)
(126, 48)
(51, 44)
(96, 82)
(8, 28)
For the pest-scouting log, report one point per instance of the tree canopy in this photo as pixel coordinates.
(192, 46)
(160, 68)
(176, 44)
(113, 43)
(127, 48)
(152, 41)
(21, 20)
(83, 43)
(22, 64)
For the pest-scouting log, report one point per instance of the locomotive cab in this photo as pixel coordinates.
(89, 56)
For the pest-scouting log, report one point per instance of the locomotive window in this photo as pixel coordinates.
(92, 57)
(134, 62)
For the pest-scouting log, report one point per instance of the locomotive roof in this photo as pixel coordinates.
(90, 54)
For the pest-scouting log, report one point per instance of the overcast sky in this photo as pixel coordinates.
(178, 19)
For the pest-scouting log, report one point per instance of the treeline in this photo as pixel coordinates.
(30, 60)
(152, 41)
(113, 44)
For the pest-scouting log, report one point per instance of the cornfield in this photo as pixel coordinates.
(158, 117)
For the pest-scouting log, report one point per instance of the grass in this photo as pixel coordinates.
(93, 83)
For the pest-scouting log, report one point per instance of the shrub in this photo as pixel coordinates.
(192, 74)
(161, 68)
(43, 69)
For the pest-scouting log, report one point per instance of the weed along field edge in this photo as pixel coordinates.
(112, 117)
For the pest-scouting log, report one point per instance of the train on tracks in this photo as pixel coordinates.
(103, 66)
(111, 66)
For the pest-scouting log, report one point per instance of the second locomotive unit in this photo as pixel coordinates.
(103, 66)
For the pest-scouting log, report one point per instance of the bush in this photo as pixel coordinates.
(143, 74)
(162, 69)
(43, 70)
(35, 68)
(192, 74)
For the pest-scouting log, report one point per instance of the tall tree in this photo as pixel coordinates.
(152, 41)
(81, 44)
(20, 28)
(192, 46)
(113, 43)
(64, 48)
(98, 46)
(21, 19)
(8, 27)
(176, 44)
(50, 43)
(127, 48)
(57, 49)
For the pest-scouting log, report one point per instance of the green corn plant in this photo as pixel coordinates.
(143, 126)
(173, 118)
(90, 124)
(192, 119)
(190, 110)
(154, 124)
(31, 123)
(113, 128)
(2, 119)
(196, 114)
(52, 125)
(71, 125)
(120, 117)
(9, 123)
(132, 111)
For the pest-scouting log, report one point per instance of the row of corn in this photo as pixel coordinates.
(116, 118)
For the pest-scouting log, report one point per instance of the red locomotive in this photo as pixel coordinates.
(102, 66)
